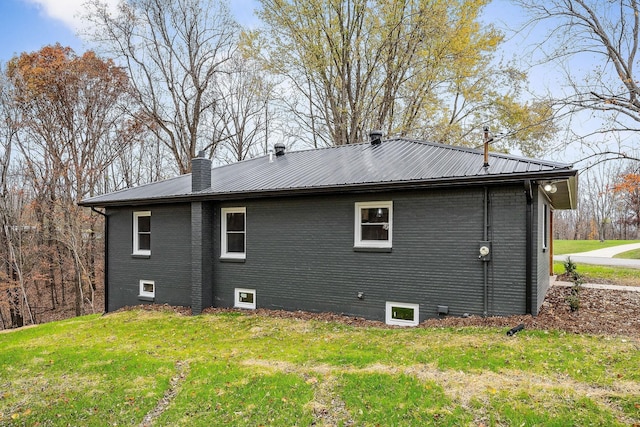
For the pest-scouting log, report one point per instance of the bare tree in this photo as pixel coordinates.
(244, 112)
(13, 294)
(599, 199)
(607, 31)
(173, 51)
(410, 67)
(71, 124)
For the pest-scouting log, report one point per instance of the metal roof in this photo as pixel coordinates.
(395, 163)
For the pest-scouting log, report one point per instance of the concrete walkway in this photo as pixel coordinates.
(604, 256)
(598, 286)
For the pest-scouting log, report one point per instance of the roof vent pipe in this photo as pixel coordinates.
(487, 140)
(200, 173)
(375, 137)
(279, 148)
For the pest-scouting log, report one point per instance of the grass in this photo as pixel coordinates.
(246, 370)
(604, 274)
(598, 273)
(634, 254)
(561, 247)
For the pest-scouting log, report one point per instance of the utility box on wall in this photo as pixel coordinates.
(484, 251)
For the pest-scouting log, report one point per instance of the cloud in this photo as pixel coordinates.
(68, 12)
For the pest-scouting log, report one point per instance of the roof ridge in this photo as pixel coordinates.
(461, 148)
(481, 152)
(304, 150)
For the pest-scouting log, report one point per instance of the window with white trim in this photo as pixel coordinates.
(373, 224)
(545, 226)
(402, 314)
(234, 236)
(245, 298)
(142, 233)
(147, 289)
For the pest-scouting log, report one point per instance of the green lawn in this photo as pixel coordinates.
(635, 254)
(604, 274)
(599, 273)
(247, 370)
(561, 247)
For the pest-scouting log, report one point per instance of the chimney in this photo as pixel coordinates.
(200, 173)
(279, 148)
(375, 137)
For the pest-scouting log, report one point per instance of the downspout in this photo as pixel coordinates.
(529, 240)
(106, 258)
(485, 265)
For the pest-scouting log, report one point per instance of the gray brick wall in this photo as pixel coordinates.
(541, 255)
(507, 266)
(168, 266)
(201, 256)
(300, 254)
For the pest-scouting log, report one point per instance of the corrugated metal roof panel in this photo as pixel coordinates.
(394, 160)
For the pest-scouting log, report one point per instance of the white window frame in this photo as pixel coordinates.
(223, 232)
(136, 236)
(147, 294)
(240, 304)
(357, 240)
(545, 226)
(389, 320)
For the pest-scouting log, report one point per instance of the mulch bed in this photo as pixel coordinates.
(607, 312)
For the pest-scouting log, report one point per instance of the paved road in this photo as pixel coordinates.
(604, 256)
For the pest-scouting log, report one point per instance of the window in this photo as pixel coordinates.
(147, 289)
(545, 227)
(233, 233)
(245, 298)
(402, 314)
(142, 233)
(374, 224)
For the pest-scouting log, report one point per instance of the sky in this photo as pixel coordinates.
(28, 25)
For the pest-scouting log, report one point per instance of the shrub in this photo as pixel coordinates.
(571, 271)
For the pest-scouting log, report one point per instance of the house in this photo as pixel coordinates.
(396, 230)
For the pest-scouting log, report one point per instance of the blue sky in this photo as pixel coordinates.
(28, 25)
(25, 27)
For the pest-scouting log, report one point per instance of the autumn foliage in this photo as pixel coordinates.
(64, 115)
(628, 189)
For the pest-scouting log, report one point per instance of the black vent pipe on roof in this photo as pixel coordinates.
(279, 149)
(375, 137)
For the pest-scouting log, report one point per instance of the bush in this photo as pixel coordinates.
(571, 271)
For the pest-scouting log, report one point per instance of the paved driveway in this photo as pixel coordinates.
(604, 256)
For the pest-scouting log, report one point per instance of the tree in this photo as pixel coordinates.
(628, 188)
(244, 110)
(71, 124)
(72, 114)
(423, 68)
(609, 32)
(598, 199)
(13, 293)
(173, 51)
